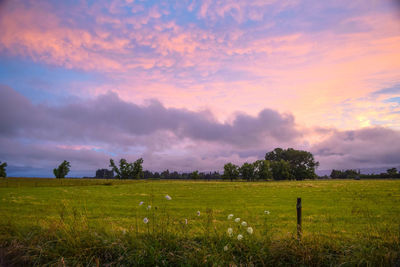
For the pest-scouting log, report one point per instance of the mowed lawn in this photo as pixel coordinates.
(343, 210)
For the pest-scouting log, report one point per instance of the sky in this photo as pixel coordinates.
(191, 85)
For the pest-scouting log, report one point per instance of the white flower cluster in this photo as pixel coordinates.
(239, 237)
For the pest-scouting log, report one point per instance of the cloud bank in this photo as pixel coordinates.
(88, 132)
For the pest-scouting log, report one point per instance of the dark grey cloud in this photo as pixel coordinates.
(90, 132)
(363, 148)
(109, 119)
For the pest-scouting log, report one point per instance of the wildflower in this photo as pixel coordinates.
(230, 216)
(250, 230)
(186, 221)
(123, 231)
(226, 248)
(168, 197)
(198, 213)
(237, 220)
(141, 203)
(266, 212)
(145, 220)
(239, 237)
(229, 231)
(244, 223)
(149, 207)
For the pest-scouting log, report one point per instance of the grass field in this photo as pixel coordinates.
(100, 222)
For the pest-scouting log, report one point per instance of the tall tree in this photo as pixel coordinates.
(230, 171)
(3, 172)
(263, 170)
(62, 170)
(281, 170)
(247, 171)
(302, 163)
(138, 169)
(128, 170)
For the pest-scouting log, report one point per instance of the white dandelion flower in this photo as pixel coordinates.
(141, 203)
(237, 220)
(250, 230)
(198, 213)
(145, 220)
(149, 207)
(244, 223)
(230, 216)
(239, 237)
(168, 197)
(226, 248)
(266, 212)
(230, 231)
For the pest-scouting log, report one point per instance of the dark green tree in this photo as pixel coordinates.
(128, 170)
(3, 172)
(246, 171)
(263, 170)
(194, 175)
(62, 170)
(138, 169)
(230, 171)
(392, 172)
(302, 163)
(165, 174)
(281, 170)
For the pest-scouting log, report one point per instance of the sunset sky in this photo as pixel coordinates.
(191, 85)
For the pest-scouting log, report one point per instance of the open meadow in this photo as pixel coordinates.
(101, 222)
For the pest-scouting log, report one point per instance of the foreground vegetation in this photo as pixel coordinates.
(100, 222)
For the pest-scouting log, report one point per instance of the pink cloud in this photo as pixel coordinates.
(223, 70)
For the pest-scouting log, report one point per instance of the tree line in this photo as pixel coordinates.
(279, 164)
(354, 174)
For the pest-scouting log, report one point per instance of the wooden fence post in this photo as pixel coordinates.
(298, 207)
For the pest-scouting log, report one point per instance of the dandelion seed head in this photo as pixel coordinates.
(244, 223)
(226, 248)
(230, 216)
(239, 237)
(250, 230)
(266, 212)
(237, 220)
(230, 231)
(145, 220)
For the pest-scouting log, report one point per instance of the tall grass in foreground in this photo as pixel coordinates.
(155, 238)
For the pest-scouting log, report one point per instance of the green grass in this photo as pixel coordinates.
(100, 222)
